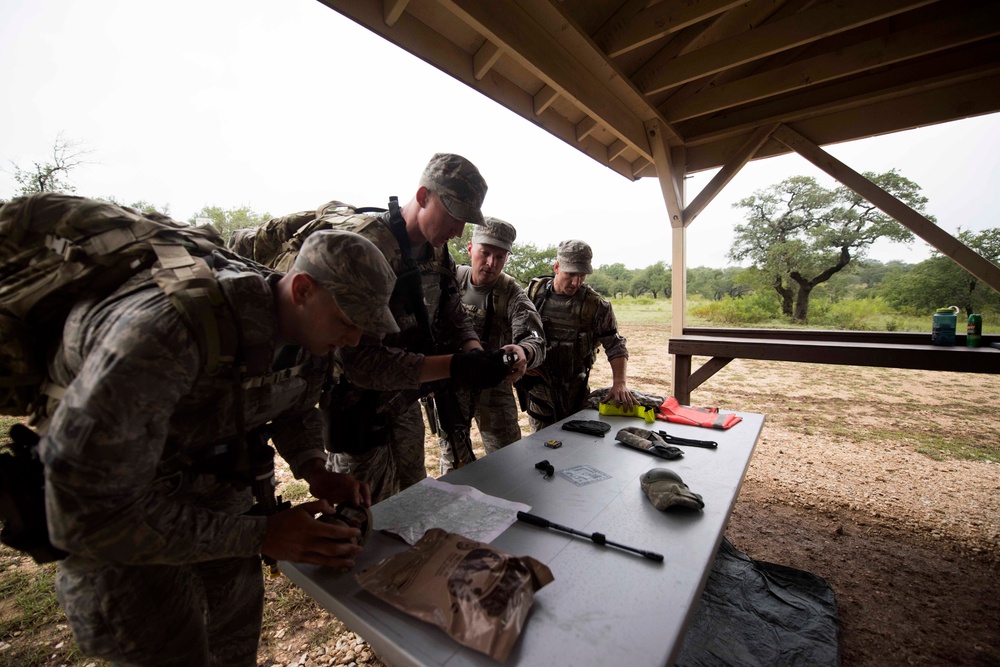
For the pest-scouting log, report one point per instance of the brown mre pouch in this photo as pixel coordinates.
(476, 593)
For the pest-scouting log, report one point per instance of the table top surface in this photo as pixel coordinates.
(606, 606)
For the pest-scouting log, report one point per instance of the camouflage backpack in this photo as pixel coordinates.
(276, 243)
(56, 249)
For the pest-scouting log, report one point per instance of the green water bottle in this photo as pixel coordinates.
(974, 337)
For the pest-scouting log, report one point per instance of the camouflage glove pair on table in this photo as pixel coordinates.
(663, 487)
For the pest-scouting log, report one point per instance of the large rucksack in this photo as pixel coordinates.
(56, 249)
(276, 243)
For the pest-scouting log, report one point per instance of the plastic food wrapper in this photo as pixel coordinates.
(476, 593)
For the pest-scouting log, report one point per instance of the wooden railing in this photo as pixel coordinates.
(887, 349)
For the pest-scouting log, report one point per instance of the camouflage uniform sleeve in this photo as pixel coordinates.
(525, 324)
(107, 438)
(298, 438)
(607, 331)
(374, 366)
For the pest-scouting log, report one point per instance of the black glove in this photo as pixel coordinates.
(479, 369)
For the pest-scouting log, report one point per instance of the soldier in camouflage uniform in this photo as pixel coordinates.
(163, 565)
(436, 340)
(504, 317)
(576, 321)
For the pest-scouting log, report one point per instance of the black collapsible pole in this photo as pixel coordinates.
(596, 538)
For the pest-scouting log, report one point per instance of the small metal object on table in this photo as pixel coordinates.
(606, 606)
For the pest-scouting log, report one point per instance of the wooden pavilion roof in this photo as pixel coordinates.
(708, 74)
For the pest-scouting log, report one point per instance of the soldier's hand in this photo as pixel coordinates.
(479, 369)
(620, 396)
(336, 488)
(520, 365)
(297, 535)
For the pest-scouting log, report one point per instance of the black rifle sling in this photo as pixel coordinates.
(409, 283)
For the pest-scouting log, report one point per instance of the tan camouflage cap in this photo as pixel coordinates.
(459, 185)
(495, 231)
(355, 272)
(574, 257)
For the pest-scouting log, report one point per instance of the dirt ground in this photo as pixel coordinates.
(848, 482)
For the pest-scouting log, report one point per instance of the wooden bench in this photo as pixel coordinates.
(849, 348)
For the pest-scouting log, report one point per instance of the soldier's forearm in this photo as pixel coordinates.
(619, 370)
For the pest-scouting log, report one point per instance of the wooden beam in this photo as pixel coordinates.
(920, 81)
(658, 21)
(726, 174)
(484, 60)
(392, 10)
(414, 36)
(544, 98)
(823, 20)
(585, 127)
(981, 23)
(616, 148)
(968, 259)
(519, 34)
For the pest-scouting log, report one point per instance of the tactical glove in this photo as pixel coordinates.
(479, 369)
(649, 442)
(588, 426)
(665, 488)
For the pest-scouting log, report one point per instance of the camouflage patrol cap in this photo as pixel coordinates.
(495, 231)
(355, 272)
(574, 257)
(459, 185)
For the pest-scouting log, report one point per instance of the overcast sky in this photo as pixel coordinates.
(282, 105)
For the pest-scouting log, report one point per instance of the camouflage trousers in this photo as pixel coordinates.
(193, 615)
(544, 410)
(394, 467)
(496, 417)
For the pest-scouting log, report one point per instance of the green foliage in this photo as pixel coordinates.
(459, 248)
(716, 283)
(850, 314)
(602, 283)
(227, 221)
(614, 279)
(654, 279)
(799, 234)
(527, 261)
(756, 308)
(939, 282)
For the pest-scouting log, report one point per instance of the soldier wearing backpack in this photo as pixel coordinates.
(140, 454)
(576, 320)
(436, 342)
(504, 317)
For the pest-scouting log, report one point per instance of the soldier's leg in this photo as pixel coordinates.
(540, 411)
(234, 591)
(148, 615)
(496, 417)
(445, 444)
(407, 446)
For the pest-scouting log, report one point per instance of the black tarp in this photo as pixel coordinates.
(758, 614)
